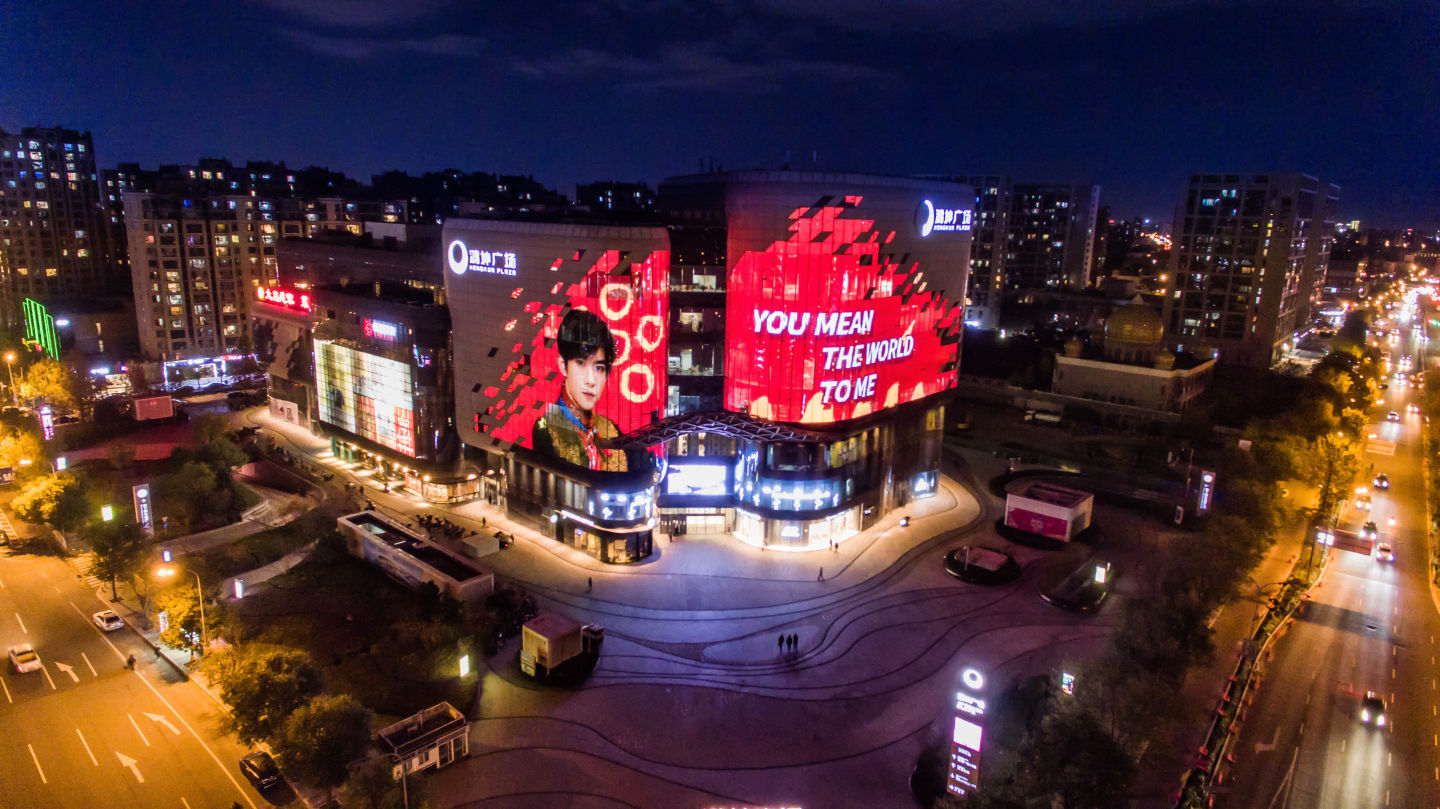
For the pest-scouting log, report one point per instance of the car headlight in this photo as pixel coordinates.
(1380, 720)
(1365, 715)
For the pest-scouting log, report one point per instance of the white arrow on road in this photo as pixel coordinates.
(70, 670)
(126, 761)
(157, 718)
(1262, 747)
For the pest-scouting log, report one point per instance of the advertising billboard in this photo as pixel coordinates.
(370, 396)
(845, 306)
(570, 352)
(967, 731)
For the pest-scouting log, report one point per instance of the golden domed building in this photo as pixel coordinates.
(1137, 370)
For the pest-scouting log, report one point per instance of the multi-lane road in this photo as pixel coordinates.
(1370, 626)
(86, 731)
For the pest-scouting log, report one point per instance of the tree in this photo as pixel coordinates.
(55, 499)
(322, 737)
(373, 786)
(210, 427)
(263, 685)
(119, 546)
(1072, 756)
(21, 445)
(48, 379)
(184, 628)
(190, 489)
(122, 455)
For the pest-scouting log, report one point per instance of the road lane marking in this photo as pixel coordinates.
(7, 692)
(158, 719)
(48, 679)
(138, 730)
(36, 759)
(126, 761)
(184, 802)
(70, 670)
(43, 575)
(56, 589)
(213, 756)
(87, 747)
(22, 623)
(1389, 759)
(1342, 745)
(91, 665)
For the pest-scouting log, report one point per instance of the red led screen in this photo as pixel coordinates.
(510, 330)
(830, 325)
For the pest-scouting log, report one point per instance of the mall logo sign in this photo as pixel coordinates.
(462, 260)
(929, 219)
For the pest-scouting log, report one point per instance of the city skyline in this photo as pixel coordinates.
(1129, 96)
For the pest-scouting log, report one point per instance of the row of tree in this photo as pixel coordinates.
(277, 696)
(1085, 750)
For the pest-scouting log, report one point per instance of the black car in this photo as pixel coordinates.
(1382, 481)
(260, 770)
(1372, 710)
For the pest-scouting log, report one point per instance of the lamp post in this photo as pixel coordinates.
(165, 572)
(10, 366)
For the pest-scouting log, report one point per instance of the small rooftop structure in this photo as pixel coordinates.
(432, 738)
(1053, 494)
(411, 559)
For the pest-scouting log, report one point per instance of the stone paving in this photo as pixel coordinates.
(693, 704)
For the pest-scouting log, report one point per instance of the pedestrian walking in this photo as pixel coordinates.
(780, 644)
(589, 584)
(794, 642)
(821, 577)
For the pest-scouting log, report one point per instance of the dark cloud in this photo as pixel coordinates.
(363, 47)
(695, 66)
(358, 13)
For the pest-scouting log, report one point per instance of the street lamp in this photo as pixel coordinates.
(9, 366)
(166, 572)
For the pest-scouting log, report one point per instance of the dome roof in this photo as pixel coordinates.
(1134, 323)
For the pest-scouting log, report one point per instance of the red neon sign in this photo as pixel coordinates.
(284, 298)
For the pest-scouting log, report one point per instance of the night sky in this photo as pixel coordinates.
(1134, 95)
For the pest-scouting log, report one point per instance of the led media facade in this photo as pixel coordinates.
(843, 306)
(371, 397)
(524, 294)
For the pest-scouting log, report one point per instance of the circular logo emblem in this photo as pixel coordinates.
(925, 218)
(459, 257)
(142, 493)
(974, 680)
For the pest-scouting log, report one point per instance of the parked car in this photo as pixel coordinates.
(1372, 710)
(24, 658)
(108, 620)
(260, 770)
(1384, 552)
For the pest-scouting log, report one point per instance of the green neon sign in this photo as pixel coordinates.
(40, 328)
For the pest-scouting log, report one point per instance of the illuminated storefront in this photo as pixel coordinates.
(767, 362)
(280, 325)
(383, 388)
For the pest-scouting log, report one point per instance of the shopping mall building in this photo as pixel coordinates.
(767, 358)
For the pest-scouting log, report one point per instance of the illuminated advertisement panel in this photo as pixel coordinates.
(697, 479)
(968, 730)
(841, 305)
(561, 335)
(369, 396)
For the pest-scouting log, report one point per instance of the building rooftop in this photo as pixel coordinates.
(552, 625)
(417, 732)
(1053, 494)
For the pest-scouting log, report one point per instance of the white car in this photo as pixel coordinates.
(1385, 553)
(108, 620)
(24, 659)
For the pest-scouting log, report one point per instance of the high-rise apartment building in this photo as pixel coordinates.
(202, 237)
(54, 225)
(1249, 254)
(1051, 236)
(988, 245)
